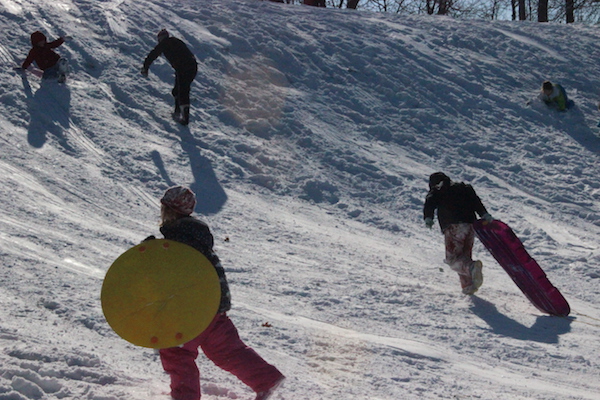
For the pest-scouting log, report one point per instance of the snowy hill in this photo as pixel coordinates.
(313, 133)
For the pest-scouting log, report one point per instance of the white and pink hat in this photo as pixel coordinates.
(180, 199)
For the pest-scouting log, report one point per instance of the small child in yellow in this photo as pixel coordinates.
(554, 95)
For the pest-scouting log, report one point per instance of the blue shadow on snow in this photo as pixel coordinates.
(210, 195)
(575, 125)
(546, 328)
(49, 113)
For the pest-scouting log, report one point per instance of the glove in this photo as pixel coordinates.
(144, 71)
(488, 218)
(429, 222)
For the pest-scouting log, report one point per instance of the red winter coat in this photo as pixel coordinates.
(43, 56)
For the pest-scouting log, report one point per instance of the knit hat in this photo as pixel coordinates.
(180, 199)
(163, 34)
(436, 178)
(547, 86)
(37, 37)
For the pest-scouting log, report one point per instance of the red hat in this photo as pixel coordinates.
(37, 37)
(180, 199)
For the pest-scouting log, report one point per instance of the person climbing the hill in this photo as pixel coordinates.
(184, 63)
(456, 204)
(554, 95)
(220, 341)
(53, 65)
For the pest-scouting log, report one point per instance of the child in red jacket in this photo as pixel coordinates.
(46, 59)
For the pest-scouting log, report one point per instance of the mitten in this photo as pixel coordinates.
(429, 222)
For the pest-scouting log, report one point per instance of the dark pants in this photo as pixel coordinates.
(183, 83)
(57, 70)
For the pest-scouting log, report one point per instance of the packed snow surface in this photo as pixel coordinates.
(312, 135)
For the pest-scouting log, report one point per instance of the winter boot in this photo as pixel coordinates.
(184, 119)
(476, 278)
(63, 70)
(177, 112)
(267, 393)
(476, 274)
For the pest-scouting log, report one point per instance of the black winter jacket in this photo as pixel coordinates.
(195, 233)
(455, 203)
(176, 52)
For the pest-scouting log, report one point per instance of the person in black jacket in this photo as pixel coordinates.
(456, 204)
(186, 67)
(220, 342)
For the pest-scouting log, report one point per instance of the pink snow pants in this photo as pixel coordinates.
(459, 240)
(223, 346)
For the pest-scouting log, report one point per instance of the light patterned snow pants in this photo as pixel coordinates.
(459, 239)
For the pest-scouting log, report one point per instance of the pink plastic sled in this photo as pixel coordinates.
(508, 250)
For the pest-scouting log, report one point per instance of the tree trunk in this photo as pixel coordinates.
(430, 6)
(522, 10)
(543, 11)
(352, 4)
(570, 11)
(443, 7)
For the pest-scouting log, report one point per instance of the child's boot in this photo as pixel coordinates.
(267, 393)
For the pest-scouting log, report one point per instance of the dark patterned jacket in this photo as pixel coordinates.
(195, 233)
(455, 203)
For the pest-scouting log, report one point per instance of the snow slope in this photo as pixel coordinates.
(313, 133)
